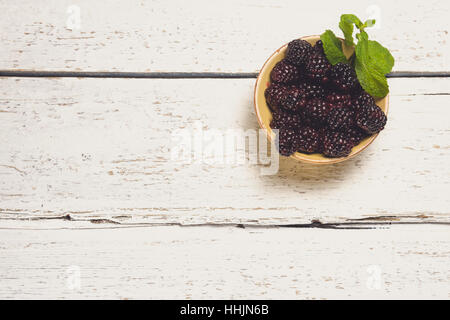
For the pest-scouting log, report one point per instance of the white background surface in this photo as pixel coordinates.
(92, 206)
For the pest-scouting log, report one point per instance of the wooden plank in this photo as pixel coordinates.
(227, 36)
(408, 262)
(100, 149)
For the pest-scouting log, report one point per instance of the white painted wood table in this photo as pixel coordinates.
(93, 206)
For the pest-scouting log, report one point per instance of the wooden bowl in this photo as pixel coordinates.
(264, 114)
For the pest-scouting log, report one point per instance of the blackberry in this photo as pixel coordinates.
(355, 135)
(284, 72)
(282, 119)
(343, 76)
(319, 47)
(339, 99)
(273, 95)
(317, 107)
(362, 99)
(316, 110)
(317, 67)
(286, 141)
(336, 145)
(298, 52)
(292, 99)
(371, 118)
(308, 140)
(310, 90)
(340, 119)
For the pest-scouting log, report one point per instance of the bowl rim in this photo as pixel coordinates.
(298, 155)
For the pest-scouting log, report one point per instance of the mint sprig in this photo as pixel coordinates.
(346, 25)
(332, 47)
(382, 59)
(371, 60)
(369, 75)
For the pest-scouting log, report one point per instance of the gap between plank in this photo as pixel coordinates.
(356, 224)
(181, 75)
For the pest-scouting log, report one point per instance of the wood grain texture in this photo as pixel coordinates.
(87, 182)
(219, 36)
(226, 263)
(100, 149)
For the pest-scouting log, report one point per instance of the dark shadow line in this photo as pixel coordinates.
(180, 75)
(314, 224)
(417, 74)
(128, 75)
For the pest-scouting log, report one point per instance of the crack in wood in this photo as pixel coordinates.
(14, 168)
(352, 224)
(390, 218)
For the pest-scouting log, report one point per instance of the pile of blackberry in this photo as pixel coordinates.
(317, 107)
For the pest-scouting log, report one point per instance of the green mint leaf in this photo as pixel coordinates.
(369, 75)
(380, 57)
(347, 30)
(371, 80)
(362, 36)
(369, 23)
(351, 18)
(346, 25)
(332, 47)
